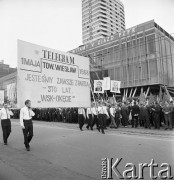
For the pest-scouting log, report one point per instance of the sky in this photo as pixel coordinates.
(57, 24)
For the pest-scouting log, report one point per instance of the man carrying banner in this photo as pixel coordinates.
(5, 114)
(26, 123)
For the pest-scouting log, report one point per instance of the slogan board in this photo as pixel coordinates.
(51, 78)
(98, 86)
(1, 97)
(115, 86)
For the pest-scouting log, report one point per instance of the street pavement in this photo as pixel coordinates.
(61, 151)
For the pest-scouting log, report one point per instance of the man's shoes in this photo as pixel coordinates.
(103, 132)
(98, 129)
(28, 148)
(5, 144)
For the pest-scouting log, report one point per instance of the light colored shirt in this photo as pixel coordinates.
(82, 112)
(103, 110)
(112, 111)
(89, 111)
(25, 114)
(5, 114)
(95, 111)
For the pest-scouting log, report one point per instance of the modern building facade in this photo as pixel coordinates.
(139, 57)
(101, 18)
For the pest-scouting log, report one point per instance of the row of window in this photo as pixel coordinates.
(101, 16)
(104, 8)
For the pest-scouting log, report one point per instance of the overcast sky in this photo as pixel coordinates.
(58, 23)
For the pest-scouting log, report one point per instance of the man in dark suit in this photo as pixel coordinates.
(135, 114)
(156, 109)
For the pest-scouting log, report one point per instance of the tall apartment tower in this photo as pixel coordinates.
(101, 18)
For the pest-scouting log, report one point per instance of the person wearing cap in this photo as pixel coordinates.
(26, 123)
(5, 114)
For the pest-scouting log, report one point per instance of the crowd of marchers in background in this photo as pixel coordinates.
(103, 115)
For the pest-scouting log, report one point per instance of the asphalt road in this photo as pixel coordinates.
(62, 152)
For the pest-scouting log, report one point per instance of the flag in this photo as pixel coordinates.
(124, 99)
(152, 98)
(160, 98)
(165, 98)
(168, 97)
(142, 97)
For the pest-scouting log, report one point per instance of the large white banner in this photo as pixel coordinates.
(50, 78)
(1, 97)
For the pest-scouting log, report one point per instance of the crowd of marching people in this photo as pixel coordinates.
(103, 115)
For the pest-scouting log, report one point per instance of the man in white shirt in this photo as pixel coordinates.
(5, 114)
(112, 113)
(95, 115)
(26, 123)
(103, 114)
(81, 117)
(89, 115)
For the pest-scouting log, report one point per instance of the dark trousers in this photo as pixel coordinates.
(156, 120)
(81, 120)
(95, 121)
(89, 124)
(117, 120)
(105, 120)
(28, 132)
(146, 122)
(6, 129)
(101, 118)
(124, 120)
(135, 121)
(168, 121)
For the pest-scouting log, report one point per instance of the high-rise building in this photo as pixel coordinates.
(101, 18)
